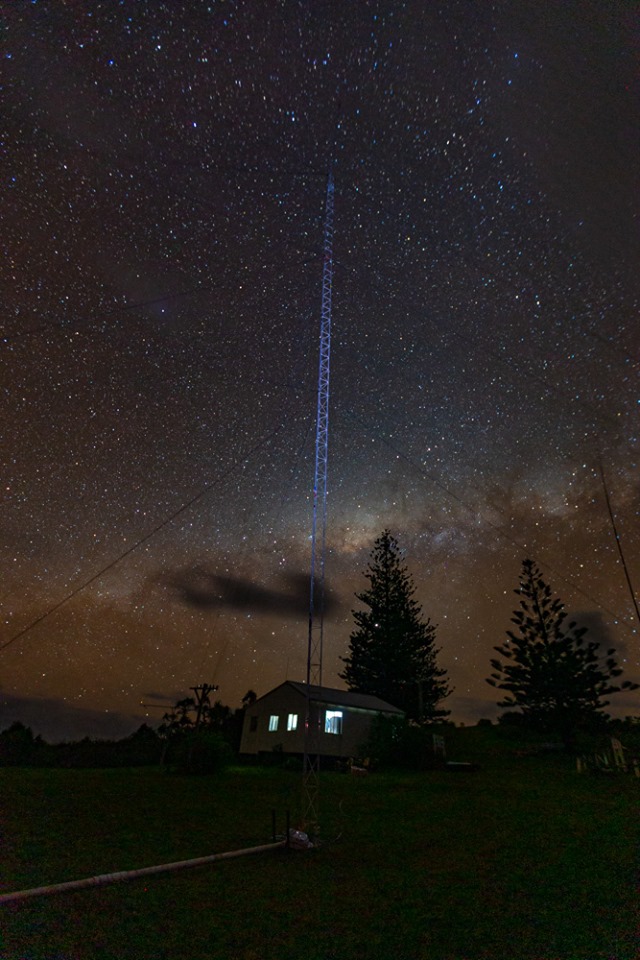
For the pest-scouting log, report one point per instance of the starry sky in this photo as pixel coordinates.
(164, 175)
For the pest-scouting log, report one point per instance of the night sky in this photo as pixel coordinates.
(164, 182)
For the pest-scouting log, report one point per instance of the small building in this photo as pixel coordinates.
(275, 722)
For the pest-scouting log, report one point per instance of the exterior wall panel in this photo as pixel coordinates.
(287, 699)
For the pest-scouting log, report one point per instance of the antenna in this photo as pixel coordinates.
(311, 766)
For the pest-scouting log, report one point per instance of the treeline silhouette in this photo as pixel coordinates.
(20, 748)
(191, 739)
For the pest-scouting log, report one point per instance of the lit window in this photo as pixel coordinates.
(333, 721)
(273, 722)
(292, 721)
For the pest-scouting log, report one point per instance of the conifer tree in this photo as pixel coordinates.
(392, 651)
(554, 676)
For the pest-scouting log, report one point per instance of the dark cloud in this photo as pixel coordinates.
(596, 625)
(476, 708)
(56, 720)
(599, 630)
(200, 587)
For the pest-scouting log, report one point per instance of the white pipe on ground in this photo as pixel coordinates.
(131, 874)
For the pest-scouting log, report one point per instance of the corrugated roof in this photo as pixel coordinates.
(345, 698)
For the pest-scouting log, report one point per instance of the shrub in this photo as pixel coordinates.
(396, 742)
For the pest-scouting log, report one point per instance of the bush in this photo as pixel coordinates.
(399, 743)
(17, 745)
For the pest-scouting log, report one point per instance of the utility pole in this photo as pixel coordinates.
(202, 700)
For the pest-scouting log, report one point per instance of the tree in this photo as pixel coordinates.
(17, 744)
(552, 674)
(178, 720)
(397, 742)
(199, 735)
(392, 652)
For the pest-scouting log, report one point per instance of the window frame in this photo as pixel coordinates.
(334, 719)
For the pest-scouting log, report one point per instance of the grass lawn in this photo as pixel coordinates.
(522, 859)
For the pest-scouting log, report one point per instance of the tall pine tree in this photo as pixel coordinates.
(554, 676)
(392, 652)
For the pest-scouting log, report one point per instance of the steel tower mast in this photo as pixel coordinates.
(311, 767)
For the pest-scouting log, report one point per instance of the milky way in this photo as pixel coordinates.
(162, 232)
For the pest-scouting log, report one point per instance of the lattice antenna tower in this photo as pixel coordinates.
(311, 768)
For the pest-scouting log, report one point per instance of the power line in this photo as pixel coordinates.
(141, 304)
(619, 544)
(119, 308)
(510, 360)
(499, 530)
(185, 506)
